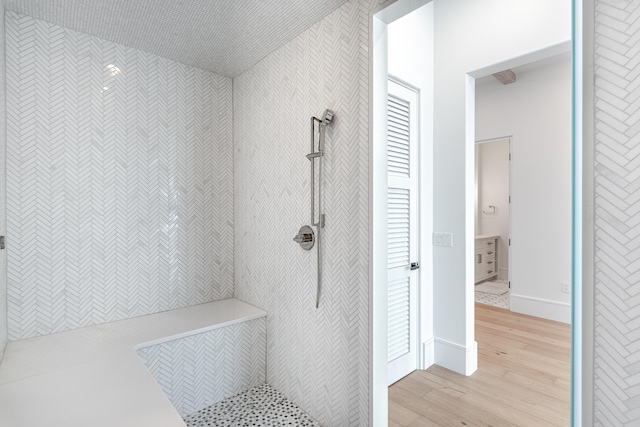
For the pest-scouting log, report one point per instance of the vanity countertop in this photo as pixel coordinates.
(479, 237)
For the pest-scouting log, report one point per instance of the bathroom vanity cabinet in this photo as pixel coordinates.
(486, 259)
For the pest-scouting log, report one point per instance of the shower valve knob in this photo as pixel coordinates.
(301, 238)
(305, 237)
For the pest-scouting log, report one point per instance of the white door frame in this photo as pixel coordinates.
(510, 139)
(378, 77)
(582, 350)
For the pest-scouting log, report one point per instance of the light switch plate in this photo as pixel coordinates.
(565, 287)
(443, 239)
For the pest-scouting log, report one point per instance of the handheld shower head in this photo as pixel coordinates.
(327, 116)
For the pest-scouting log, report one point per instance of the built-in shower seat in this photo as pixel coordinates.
(94, 376)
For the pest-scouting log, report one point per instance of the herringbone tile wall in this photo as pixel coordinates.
(202, 369)
(119, 181)
(617, 191)
(317, 357)
(3, 127)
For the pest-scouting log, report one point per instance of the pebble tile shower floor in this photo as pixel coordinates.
(260, 406)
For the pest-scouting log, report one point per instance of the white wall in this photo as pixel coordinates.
(493, 190)
(471, 37)
(536, 111)
(411, 59)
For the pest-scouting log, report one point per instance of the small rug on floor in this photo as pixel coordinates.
(260, 406)
(493, 288)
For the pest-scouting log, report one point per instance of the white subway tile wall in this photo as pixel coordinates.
(119, 181)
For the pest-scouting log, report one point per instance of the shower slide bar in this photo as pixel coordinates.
(305, 236)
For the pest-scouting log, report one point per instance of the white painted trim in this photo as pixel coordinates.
(425, 309)
(470, 363)
(378, 391)
(456, 357)
(504, 273)
(378, 75)
(546, 309)
(428, 353)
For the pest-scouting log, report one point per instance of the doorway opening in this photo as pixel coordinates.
(449, 311)
(525, 187)
(492, 221)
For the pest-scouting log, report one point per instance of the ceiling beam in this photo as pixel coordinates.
(506, 77)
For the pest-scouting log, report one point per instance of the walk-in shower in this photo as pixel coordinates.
(305, 236)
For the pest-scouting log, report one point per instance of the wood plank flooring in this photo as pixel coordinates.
(523, 379)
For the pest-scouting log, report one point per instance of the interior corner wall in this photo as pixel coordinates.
(536, 112)
(615, 162)
(3, 224)
(119, 181)
(471, 36)
(317, 357)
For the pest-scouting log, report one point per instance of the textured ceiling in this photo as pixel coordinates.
(223, 36)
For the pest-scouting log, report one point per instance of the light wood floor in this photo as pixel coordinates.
(523, 379)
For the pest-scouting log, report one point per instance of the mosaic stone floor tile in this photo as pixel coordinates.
(260, 406)
(501, 301)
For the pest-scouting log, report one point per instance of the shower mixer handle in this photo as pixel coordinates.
(305, 237)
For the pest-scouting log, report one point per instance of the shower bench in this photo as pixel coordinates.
(96, 376)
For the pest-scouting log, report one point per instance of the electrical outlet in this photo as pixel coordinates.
(565, 287)
(443, 239)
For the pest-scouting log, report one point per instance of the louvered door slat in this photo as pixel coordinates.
(398, 129)
(398, 229)
(398, 318)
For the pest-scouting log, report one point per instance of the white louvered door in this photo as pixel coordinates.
(402, 230)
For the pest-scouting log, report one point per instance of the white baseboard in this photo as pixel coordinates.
(552, 310)
(458, 358)
(428, 353)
